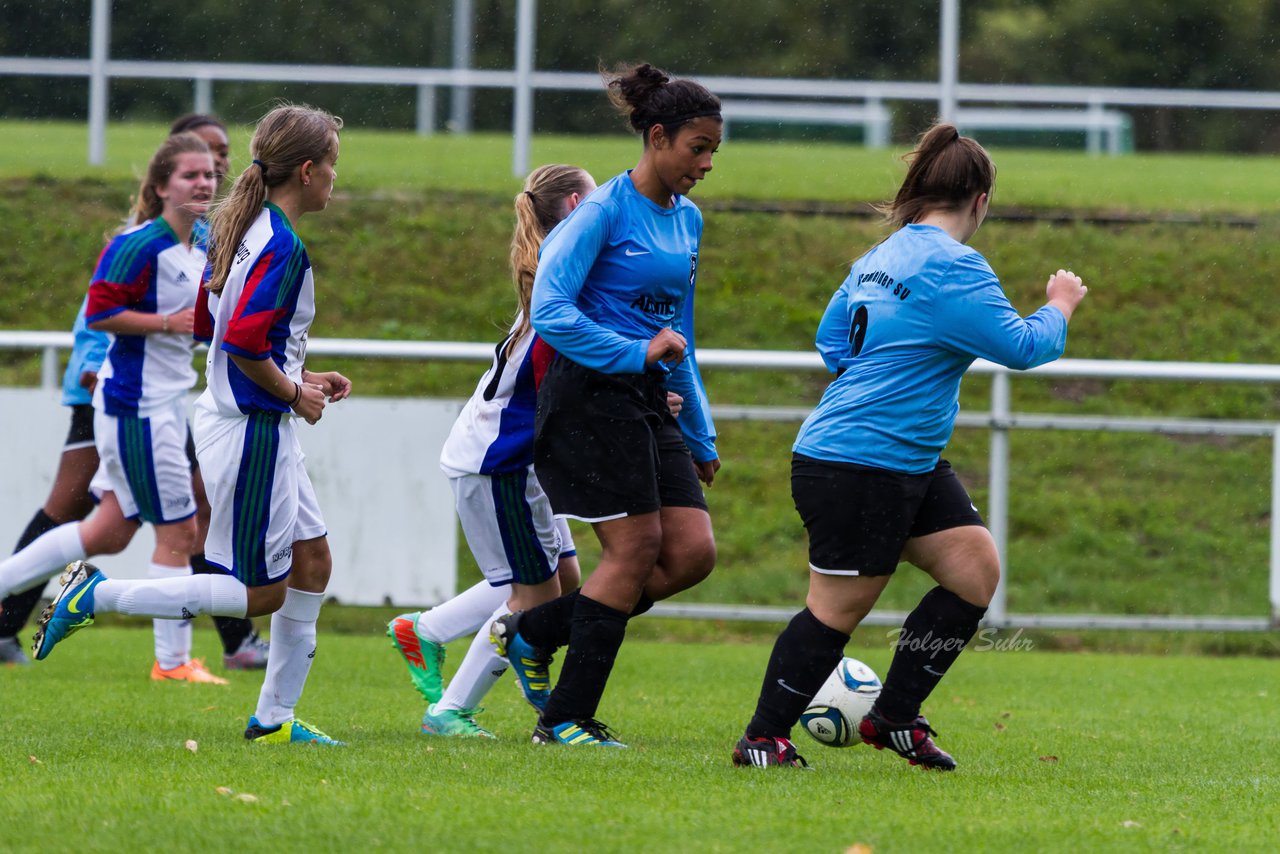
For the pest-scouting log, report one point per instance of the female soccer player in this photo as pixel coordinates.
(143, 293)
(525, 553)
(265, 520)
(614, 298)
(866, 475)
(70, 500)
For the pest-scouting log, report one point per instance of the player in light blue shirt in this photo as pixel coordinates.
(614, 298)
(867, 476)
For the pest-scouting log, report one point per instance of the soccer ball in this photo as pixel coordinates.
(833, 714)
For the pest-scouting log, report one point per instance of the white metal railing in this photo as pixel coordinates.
(525, 81)
(999, 419)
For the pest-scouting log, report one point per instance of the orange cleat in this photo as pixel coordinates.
(193, 671)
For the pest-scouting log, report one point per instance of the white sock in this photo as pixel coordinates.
(293, 648)
(462, 615)
(479, 671)
(173, 598)
(172, 637)
(46, 556)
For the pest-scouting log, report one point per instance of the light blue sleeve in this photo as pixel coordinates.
(686, 380)
(563, 266)
(977, 319)
(833, 330)
(88, 352)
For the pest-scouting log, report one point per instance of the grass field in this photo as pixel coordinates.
(1057, 752)
(395, 161)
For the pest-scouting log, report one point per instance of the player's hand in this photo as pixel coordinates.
(311, 405)
(707, 471)
(1065, 291)
(335, 386)
(89, 380)
(182, 322)
(674, 403)
(666, 347)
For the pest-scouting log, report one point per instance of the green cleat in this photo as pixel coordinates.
(424, 658)
(453, 722)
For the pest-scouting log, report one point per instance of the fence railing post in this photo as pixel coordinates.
(998, 491)
(49, 368)
(1275, 530)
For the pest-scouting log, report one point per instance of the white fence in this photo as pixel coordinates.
(999, 420)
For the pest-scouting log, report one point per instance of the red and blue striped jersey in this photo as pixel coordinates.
(146, 269)
(264, 312)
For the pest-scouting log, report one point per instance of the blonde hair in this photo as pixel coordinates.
(539, 208)
(147, 204)
(285, 138)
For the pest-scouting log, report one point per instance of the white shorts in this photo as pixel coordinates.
(260, 497)
(509, 526)
(143, 460)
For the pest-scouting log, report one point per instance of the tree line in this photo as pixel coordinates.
(1146, 43)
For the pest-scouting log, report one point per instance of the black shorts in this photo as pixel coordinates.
(605, 445)
(81, 433)
(859, 517)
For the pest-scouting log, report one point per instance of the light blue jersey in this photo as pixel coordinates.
(88, 349)
(613, 274)
(906, 324)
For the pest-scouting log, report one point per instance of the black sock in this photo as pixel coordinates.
(547, 626)
(643, 606)
(803, 657)
(932, 638)
(596, 636)
(18, 606)
(232, 630)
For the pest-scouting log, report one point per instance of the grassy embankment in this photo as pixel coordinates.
(414, 247)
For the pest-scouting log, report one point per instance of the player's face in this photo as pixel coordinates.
(190, 188)
(318, 180)
(685, 159)
(216, 138)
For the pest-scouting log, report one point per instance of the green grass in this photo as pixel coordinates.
(1099, 522)
(394, 162)
(1057, 753)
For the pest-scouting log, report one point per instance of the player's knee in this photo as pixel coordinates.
(265, 600)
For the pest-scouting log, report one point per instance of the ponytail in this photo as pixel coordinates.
(539, 208)
(285, 138)
(945, 171)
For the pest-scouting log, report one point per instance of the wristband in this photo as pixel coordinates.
(164, 323)
(297, 398)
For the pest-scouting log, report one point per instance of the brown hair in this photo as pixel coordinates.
(285, 138)
(945, 171)
(539, 208)
(648, 96)
(147, 205)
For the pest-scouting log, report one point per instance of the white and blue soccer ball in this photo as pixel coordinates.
(848, 694)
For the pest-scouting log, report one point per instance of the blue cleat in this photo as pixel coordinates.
(293, 732)
(531, 666)
(587, 733)
(71, 611)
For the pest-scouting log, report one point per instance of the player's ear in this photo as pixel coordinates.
(304, 172)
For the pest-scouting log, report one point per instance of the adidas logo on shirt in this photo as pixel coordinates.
(183, 278)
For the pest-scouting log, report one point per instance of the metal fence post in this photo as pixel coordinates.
(1275, 529)
(998, 490)
(526, 39)
(426, 109)
(49, 368)
(99, 47)
(204, 95)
